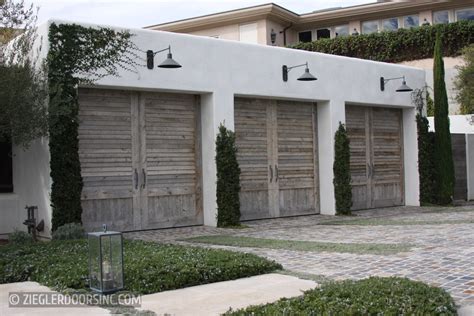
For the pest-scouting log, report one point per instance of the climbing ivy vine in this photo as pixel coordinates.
(77, 55)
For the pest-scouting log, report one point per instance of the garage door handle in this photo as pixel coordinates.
(135, 179)
(276, 177)
(271, 172)
(144, 178)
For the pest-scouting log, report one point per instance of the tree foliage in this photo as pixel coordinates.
(23, 92)
(342, 172)
(426, 164)
(443, 157)
(465, 82)
(228, 179)
(76, 55)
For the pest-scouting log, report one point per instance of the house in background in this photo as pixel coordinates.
(271, 24)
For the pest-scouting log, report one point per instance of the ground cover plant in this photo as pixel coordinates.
(372, 296)
(149, 267)
(396, 222)
(298, 245)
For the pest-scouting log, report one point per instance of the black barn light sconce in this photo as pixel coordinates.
(306, 76)
(402, 88)
(169, 62)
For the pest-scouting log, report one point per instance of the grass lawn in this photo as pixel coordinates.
(238, 241)
(372, 296)
(394, 222)
(149, 267)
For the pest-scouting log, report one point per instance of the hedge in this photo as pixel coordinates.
(397, 46)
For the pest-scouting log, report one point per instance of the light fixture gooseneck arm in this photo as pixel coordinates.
(162, 50)
(297, 66)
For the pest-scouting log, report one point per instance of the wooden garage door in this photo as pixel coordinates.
(376, 156)
(139, 159)
(296, 172)
(276, 143)
(105, 153)
(171, 160)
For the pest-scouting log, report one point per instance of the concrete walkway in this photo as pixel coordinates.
(217, 298)
(209, 299)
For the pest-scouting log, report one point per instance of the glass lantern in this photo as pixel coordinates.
(105, 261)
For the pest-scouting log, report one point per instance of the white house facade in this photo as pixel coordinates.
(147, 139)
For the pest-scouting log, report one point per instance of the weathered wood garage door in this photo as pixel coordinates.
(139, 160)
(277, 155)
(376, 156)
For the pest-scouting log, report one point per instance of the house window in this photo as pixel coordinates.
(411, 21)
(441, 17)
(370, 27)
(6, 168)
(249, 33)
(390, 24)
(323, 33)
(305, 36)
(341, 30)
(465, 14)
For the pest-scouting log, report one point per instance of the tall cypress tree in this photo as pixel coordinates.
(442, 149)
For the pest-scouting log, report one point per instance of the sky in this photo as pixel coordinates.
(140, 13)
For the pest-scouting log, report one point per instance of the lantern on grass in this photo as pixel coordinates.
(105, 261)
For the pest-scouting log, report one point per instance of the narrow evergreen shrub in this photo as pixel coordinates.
(425, 161)
(342, 172)
(397, 46)
(443, 156)
(228, 179)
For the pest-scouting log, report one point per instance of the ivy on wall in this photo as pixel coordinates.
(77, 55)
(397, 46)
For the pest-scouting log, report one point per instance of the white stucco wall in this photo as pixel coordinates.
(458, 124)
(219, 70)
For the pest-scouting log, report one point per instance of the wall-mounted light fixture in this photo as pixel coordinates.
(169, 62)
(402, 88)
(273, 37)
(306, 76)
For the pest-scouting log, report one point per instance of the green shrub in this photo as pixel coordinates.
(69, 231)
(397, 46)
(426, 167)
(19, 237)
(342, 172)
(372, 296)
(149, 267)
(443, 156)
(228, 179)
(465, 82)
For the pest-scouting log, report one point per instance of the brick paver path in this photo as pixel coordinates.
(443, 254)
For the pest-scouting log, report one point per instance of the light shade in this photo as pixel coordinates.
(169, 62)
(307, 76)
(404, 87)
